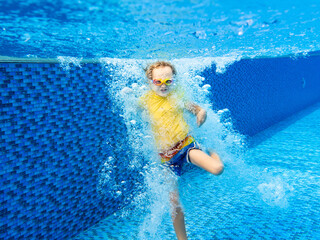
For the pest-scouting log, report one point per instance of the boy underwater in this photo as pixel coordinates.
(171, 132)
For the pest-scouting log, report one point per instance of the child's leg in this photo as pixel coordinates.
(211, 163)
(178, 216)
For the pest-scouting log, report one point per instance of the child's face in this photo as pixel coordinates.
(161, 73)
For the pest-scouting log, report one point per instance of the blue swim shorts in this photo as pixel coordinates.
(175, 164)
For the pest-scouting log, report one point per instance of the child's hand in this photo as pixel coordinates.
(201, 117)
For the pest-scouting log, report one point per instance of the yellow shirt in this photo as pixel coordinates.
(166, 117)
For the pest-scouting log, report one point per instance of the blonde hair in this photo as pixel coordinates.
(150, 68)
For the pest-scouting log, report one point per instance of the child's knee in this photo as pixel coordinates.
(174, 199)
(219, 169)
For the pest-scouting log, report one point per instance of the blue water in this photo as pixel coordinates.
(273, 194)
(269, 190)
(158, 29)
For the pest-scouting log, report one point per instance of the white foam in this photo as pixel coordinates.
(223, 62)
(275, 192)
(67, 62)
(190, 65)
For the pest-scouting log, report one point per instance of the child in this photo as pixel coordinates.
(176, 147)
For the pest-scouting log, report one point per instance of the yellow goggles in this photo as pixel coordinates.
(159, 82)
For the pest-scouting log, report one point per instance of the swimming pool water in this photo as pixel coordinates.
(152, 29)
(61, 172)
(268, 191)
(272, 194)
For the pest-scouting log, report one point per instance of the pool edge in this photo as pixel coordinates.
(7, 59)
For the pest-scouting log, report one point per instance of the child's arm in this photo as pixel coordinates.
(197, 111)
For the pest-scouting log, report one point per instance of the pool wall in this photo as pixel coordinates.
(262, 92)
(58, 129)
